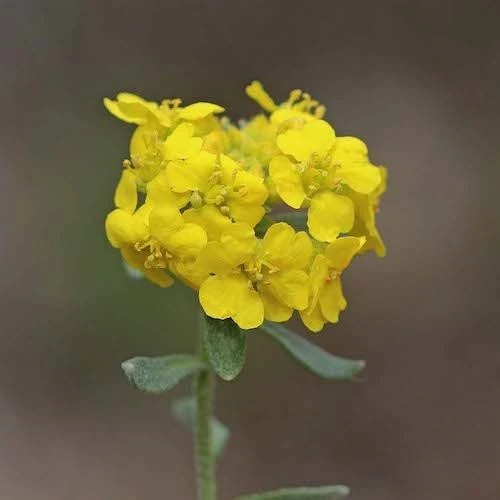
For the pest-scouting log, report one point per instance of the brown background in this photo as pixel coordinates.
(419, 82)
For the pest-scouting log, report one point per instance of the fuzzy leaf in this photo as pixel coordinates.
(305, 493)
(184, 411)
(314, 358)
(162, 373)
(227, 346)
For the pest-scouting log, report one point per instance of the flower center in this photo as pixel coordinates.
(158, 257)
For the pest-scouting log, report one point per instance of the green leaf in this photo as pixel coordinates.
(162, 373)
(305, 493)
(313, 357)
(227, 347)
(184, 410)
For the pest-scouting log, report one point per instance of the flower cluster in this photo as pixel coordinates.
(206, 200)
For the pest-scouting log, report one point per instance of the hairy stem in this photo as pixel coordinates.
(204, 457)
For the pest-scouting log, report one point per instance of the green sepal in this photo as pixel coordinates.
(226, 346)
(184, 411)
(161, 373)
(304, 493)
(314, 358)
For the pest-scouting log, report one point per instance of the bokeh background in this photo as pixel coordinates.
(419, 82)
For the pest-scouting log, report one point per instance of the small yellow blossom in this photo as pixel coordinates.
(221, 182)
(326, 299)
(316, 167)
(254, 279)
(152, 238)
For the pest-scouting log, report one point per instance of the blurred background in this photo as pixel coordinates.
(419, 82)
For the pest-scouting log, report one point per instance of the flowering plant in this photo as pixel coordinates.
(261, 219)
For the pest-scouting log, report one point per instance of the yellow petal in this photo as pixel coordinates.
(231, 296)
(164, 221)
(277, 242)
(329, 215)
(300, 251)
(209, 218)
(136, 259)
(274, 308)
(126, 192)
(282, 115)
(159, 192)
(131, 108)
(219, 295)
(199, 110)
(340, 252)
(123, 228)
(189, 272)
(192, 174)
(214, 259)
(188, 241)
(250, 310)
(236, 246)
(250, 188)
(363, 179)
(238, 240)
(314, 137)
(332, 301)
(181, 144)
(249, 214)
(291, 287)
(350, 151)
(287, 180)
(228, 168)
(143, 139)
(256, 92)
(317, 279)
(313, 320)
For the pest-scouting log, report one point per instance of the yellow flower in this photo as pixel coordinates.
(220, 182)
(154, 124)
(326, 299)
(254, 279)
(315, 169)
(153, 238)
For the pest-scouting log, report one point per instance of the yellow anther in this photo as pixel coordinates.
(294, 96)
(224, 210)
(320, 111)
(127, 164)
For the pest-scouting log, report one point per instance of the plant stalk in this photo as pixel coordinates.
(204, 457)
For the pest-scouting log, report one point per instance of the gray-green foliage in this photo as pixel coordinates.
(313, 357)
(184, 410)
(226, 346)
(161, 373)
(304, 493)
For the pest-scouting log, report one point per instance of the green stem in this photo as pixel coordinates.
(204, 457)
